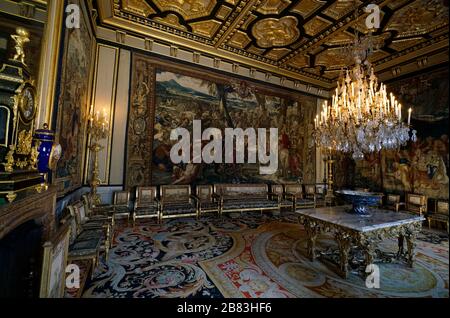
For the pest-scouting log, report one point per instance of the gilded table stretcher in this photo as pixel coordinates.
(364, 232)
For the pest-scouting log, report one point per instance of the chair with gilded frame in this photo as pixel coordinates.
(294, 193)
(176, 201)
(393, 202)
(277, 191)
(121, 205)
(416, 203)
(440, 213)
(146, 204)
(207, 200)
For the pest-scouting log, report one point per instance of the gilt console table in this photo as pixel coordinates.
(364, 232)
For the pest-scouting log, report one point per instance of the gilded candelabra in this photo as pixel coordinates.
(98, 127)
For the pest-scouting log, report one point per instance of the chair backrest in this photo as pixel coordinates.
(293, 188)
(415, 202)
(145, 194)
(204, 192)
(320, 188)
(87, 203)
(121, 198)
(392, 198)
(442, 207)
(277, 189)
(175, 193)
(310, 189)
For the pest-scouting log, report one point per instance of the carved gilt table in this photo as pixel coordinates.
(364, 232)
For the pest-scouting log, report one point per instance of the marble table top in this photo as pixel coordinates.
(378, 219)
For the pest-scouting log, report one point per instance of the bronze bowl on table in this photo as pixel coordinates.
(361, 201)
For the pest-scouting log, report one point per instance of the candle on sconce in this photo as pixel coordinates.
(409, 115)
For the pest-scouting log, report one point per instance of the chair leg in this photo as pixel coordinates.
(429, 223)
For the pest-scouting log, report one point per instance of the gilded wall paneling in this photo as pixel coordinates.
(118, 150)
(104, 97)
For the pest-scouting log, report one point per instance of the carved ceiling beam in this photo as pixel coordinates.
(231, 28)
(341, 24)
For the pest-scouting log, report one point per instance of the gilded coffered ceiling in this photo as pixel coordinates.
(301, 39)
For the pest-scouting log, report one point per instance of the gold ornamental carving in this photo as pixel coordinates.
(272, 32)
(419, 18)
(20, 39)
(307, 7)
(273, 6)
(189, 9)
(205, 28)
(138, 7)
(24, 143)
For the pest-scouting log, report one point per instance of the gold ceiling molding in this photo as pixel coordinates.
(340, 8)
(272, 32)
(205, 28)
(307, 7)
(419, 18)
(400, 45)
(138, 7)
(223, 12)
(293, 39)
(276, 54)
(239, 40)
(316, 25)
(172, 20)
(300, 61)
(273, 6)
(188, 9)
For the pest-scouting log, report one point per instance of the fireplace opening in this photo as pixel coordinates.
(20, 261)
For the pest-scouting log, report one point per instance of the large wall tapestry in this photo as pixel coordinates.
(183, 95)
(73, 100)
(423, 166)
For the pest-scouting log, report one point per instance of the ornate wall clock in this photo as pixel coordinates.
(27, 103)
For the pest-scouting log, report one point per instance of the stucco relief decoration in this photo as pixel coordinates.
(189, 9)
(272, 32)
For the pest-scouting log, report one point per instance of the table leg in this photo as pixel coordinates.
(312, 230)
(411, 244)
(401, 251)
(368, 246)
(344, 243)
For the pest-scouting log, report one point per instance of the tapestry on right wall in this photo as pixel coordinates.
(421, 167)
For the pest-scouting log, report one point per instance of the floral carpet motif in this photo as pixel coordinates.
(251, 255)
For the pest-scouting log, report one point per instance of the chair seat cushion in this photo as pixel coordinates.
(85, 247)
(249, 203)
(148, 210)
(302, 202)
(206, 205)
(439, 217)
(178, 208)
(144, 205)
(286, 203)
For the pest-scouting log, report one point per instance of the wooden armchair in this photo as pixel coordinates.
(176, 201)
(96, 215)
(207, 201)
(416, 203)
(277, 191)
(121, 205)
(146, 204)
(440, 213)
(393, 202)
(294, 193)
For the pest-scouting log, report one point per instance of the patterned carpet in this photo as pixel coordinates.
(251, 256)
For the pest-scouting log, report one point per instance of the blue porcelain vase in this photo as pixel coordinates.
(45, 137)
(362, 202)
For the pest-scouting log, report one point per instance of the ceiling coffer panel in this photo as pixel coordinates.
(302, 36)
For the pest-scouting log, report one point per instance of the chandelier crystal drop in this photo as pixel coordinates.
(363, 117)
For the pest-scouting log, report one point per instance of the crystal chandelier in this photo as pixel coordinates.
(363, 117)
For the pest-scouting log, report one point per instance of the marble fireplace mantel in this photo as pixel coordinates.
(38, 206)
